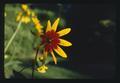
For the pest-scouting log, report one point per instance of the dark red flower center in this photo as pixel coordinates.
(50, 39)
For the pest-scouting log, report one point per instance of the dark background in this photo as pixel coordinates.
(93, 50)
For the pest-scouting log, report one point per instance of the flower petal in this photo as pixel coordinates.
(19, 16)
(24, 7)
(26, 19)
(35, 20)
(60, 52)
(39, 28)
(64, 43)
(28, 12)
(48, 26)
(55, 24)
(64, 32)
(54, 58)
(42, 69)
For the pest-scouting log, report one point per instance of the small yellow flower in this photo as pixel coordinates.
(51, 40)
(37, 24)
(25, 19)
(24, 16)
(35, 20)
(19, 16)
(42, 69)
(24, 7)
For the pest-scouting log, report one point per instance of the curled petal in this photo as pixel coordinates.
(54, 58)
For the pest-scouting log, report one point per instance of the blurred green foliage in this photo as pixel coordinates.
(21, 51)
(106, 23)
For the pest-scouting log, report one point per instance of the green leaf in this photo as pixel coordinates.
(106, 23)
(17, 75)
(53, 72)
(8, 68)
(8, 72)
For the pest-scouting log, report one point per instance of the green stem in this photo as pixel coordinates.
(13, 36)
(33, 68)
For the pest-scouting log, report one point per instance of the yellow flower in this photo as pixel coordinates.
(24, 7)
(24, 16)
(51, 40)
(19, 16)
(42, 69)
(25, 19)
(37, 24)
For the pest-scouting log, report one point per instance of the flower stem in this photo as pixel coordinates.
(34, 63)
(13, 36)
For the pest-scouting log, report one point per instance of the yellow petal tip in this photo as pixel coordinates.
(64, 32)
